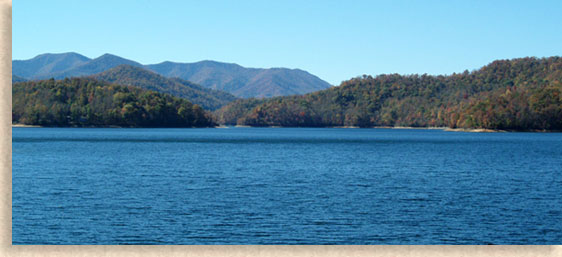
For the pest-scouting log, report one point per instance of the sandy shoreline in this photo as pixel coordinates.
(24, 126)
(480, 130)
(405, 127)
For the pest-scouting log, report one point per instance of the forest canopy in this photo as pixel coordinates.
(518, 94)
(88, 102)
(129, 75)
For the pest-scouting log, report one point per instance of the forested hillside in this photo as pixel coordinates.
(87, 102)
(235, 112)
(518, 94)
(129, 75)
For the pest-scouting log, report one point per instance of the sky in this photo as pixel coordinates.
(334, 40)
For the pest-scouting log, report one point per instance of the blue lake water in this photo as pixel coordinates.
(285, 186)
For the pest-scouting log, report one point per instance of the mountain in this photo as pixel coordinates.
(229, 77)
(88, 102)
(45, 65)
(519, 94)
(129, 75)
(65, 65)
(100, 64)
(243, 82)
(16, 79)
(280, 82)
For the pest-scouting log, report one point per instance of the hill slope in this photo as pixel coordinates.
(128, 75)
(233, 78)
(243, 82)
(87, 102)
(16, 79)
(519, 94)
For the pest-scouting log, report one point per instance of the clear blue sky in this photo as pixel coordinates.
(335, 40)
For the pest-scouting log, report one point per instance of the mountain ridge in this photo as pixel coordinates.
(231, 77)
(128, 75)
(43, 65)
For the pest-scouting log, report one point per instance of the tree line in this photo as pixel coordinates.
(518, 94)
(88, 102)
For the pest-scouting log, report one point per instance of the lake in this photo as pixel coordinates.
(284, 186)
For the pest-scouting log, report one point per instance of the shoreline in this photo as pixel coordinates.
(17, 125)
(406, 127)
(478, 130)
(447, 129)
(25, 126)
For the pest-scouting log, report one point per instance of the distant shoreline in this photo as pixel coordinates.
(471, 130)
(25, 126)
(407, 127)
(478, 130)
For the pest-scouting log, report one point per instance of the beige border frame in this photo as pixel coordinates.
(6, 248)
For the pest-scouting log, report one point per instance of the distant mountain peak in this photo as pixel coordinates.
(216, 62)
(65, 54)
(112, 57)
(230, 77)
(108, 55)
(168, 62)
(45, 65)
